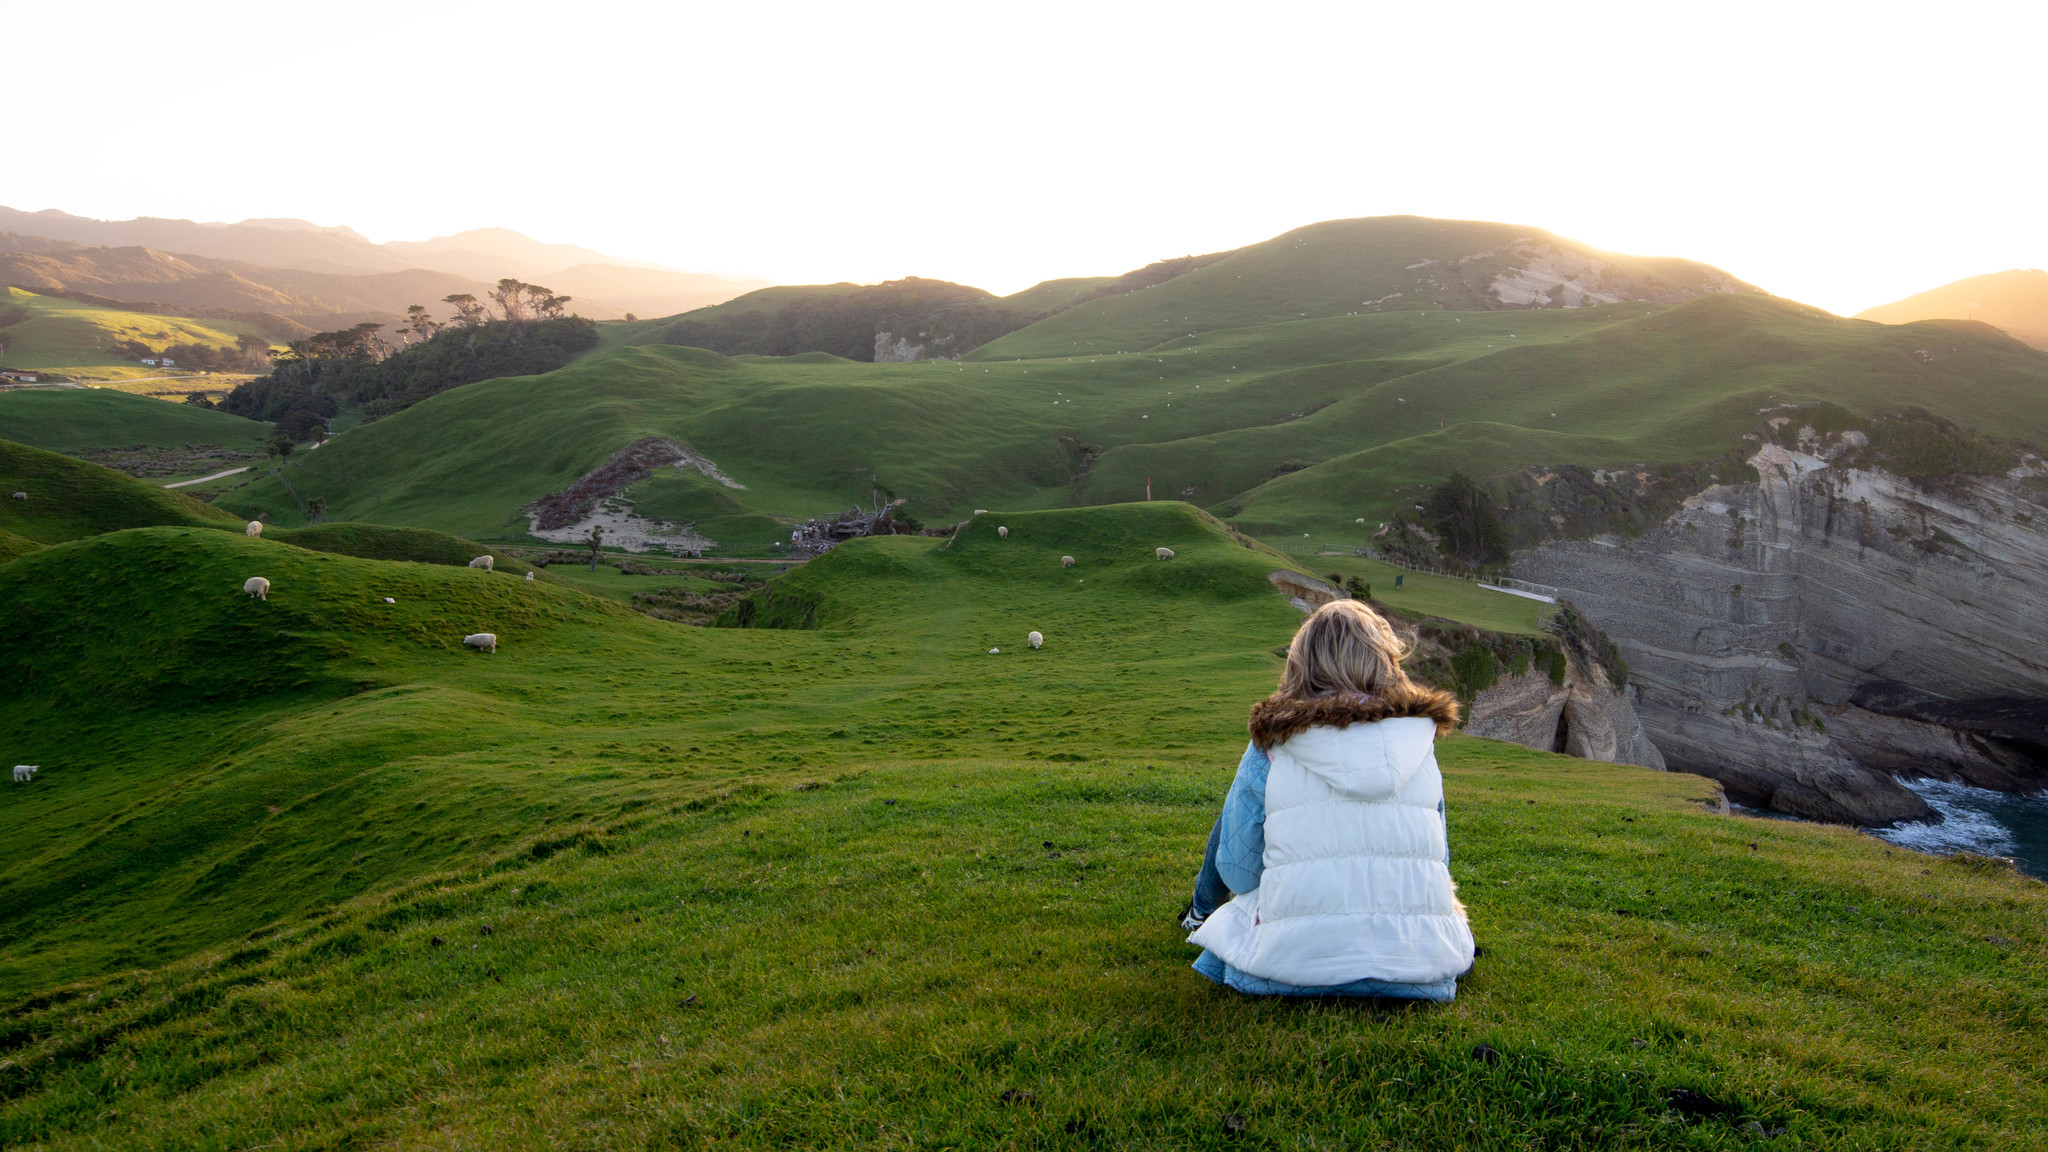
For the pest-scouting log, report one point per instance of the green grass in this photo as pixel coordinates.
(626, 333)
(1427, 594)
(77, 339)
(67, 419)
(68, 499)
(1052, 295)
(305, 873)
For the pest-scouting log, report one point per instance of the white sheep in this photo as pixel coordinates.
(1163, 553)
(254, 529)
(529, 577)
(21, 495)
(1066, 561)
(1003, 531)
(486, 641)
(1036, 640)
(981, 511)
(23, 773)
(257, 586)
(995, 651)
(389, 600)
(483, 562)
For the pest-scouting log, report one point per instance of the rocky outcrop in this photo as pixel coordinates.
(596, 501)
(1579, 715)
(1549, 276)
(1558, 694)
(1808, 636)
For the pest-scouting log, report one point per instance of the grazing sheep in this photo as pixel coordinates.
(257, 586)
(487, 641)
(1163, 553)
(24, 772)
(1066, 561)
(21, 495)
(529, 577)
(1003, 531)
(483, 562)
(1035, 640)
(995, 651)
(389, 600)
(254, 529)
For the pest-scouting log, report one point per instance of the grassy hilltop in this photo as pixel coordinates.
(306, 872)
(2015, 300)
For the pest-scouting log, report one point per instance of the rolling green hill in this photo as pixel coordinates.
(77, 339)
(68, 419)
(304, 871)
(1053, 295)
(68, 499)
(1346, 267)
(2015, 300)
(1286, 428)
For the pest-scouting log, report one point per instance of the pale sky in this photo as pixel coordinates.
(1840, 154)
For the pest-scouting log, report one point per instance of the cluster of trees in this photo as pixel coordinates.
(250, 354)
(530, 331)
(945, 318)
(1463, 517)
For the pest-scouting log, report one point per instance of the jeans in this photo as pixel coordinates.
(1211, 892)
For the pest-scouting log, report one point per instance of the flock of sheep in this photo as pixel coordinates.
(259, 588)
(1035, 638)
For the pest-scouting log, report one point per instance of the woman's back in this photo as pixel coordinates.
(1355, 883)
(1332, 839)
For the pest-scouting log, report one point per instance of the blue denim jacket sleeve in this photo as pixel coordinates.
(1241, 851)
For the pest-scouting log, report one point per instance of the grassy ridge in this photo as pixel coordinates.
(68, 499)
(67, 419)
(1335, 268)
(860, 884)
(52, 332)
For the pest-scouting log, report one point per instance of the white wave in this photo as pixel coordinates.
(1968, 824)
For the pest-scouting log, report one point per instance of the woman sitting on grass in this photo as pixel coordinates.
(1333, 835)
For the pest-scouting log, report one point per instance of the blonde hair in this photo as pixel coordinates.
(1344, 648)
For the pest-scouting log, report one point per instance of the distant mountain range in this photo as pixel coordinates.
(2015, 300)
(323, 276)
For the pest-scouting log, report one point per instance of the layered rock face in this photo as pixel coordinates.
(1809, 636)
(1585, 717)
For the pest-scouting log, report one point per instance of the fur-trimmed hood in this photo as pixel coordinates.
(1277, 717)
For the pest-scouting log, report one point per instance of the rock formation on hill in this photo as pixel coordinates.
(1808, 635)
(1564, 694)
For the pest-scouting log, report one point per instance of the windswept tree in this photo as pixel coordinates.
(510, 296)
(419, 325)
(469, 311)
(544, 303)
(358, 343)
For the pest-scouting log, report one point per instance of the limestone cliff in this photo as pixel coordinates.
(1807, 636)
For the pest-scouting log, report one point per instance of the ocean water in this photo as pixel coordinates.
(1978, 820)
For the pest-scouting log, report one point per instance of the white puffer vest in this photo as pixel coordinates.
(1355, 884)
